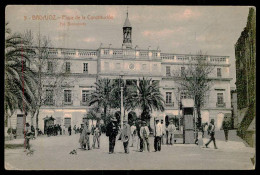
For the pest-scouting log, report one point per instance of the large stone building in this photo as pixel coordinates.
(85, 66)
(245, 52)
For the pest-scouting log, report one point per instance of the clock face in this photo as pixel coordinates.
(131, 66)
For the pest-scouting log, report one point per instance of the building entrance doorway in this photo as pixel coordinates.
(67, 122)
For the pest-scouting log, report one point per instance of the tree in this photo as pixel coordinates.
(147, 97)
(39, 60)
(128, 88)
(102, 95)
(195, 82)
(53, 79)
(20, 81)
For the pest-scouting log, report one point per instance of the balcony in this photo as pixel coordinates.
(49, 103)
(83, 103)
(221, 105)
(67, 103)
(169, 104)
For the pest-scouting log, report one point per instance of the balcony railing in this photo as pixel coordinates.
(169, 104)
(220, 104)
(67, 102)
(49, 103)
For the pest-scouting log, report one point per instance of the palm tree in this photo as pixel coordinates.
(20, 80)
(102, 95)
(127, 91)
(148, 98)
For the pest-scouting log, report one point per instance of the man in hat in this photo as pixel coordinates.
(171, 130)
(69, 130)
(225, 126)
(125, 136)
(84, 137)
(111, 132)
(144, 132)
(212, 134)
(157, 135)
(138, 127)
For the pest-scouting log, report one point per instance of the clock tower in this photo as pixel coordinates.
(127, 33)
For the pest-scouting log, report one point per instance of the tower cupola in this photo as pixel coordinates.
(127, 33)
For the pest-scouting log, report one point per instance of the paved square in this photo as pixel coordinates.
(52, 153)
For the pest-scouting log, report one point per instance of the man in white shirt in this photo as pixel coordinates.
(171, 130)
(157, 136)
(133, 134)
(144, 133)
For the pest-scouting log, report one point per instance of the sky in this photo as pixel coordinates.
(213, 30)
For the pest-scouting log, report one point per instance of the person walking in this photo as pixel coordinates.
(27, 133)
(212, 134)
(84, 137)
(125, 136)
(69, 130)
(111, 132)
(74, 128)
(225, 126)
(133, 133)
(96, 135)
(171, 129)
(157, 136)
(144, 133)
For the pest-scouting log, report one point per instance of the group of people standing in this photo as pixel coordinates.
(141, 130)
(85, 133)
(54, 130)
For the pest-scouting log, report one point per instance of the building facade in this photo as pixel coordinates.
(67, 104)
(245, 52)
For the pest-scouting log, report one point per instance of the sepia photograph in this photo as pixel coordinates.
(129, 87)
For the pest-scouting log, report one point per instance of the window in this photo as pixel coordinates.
(168, 97)
(220, 98)
(49, 96)
(106, 52)
(183, 95)
(67, 95)
(67, 66)
(50, 67)
(84, 95)
(182, 71)
(85, 67)
(143, 66)
(218, 72)
(168, 71)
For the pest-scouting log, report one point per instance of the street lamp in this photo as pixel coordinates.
(122, 105)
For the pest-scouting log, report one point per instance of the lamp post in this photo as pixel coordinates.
(122, 107)
(122, 104)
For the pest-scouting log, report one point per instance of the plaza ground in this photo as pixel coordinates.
(52, 153)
